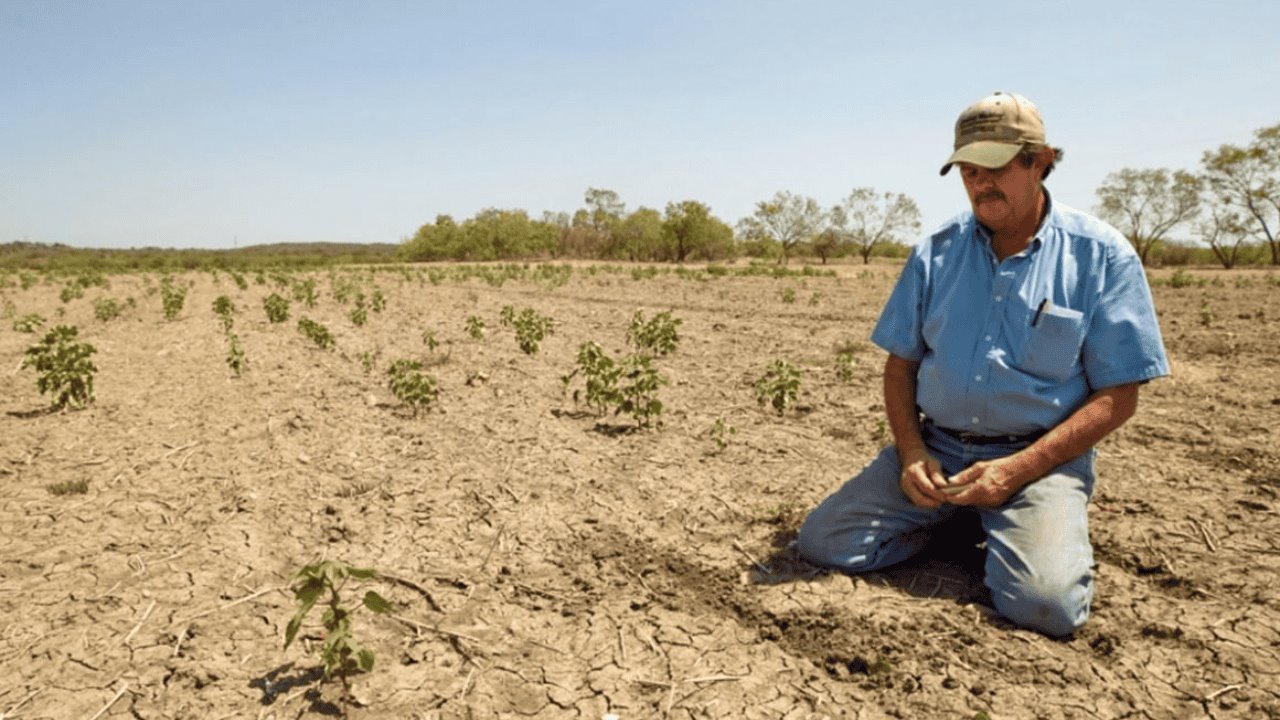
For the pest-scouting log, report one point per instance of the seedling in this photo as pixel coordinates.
(236, 359)
(629, 386)
(531, 328)
(1206, 313)
(720, 432)
(304, 291)
(340, 654)
(72, 291)
(64, 366)
(475, 327)
(507, 315)
(779, 386)
(788, 295)
(317, 333)
(224, 309)
(659, 335)
(411, 386)
(172, 298)
(367, 361)
(28, 323)
(359, 314)
(377, 300)
(844, 366)
(106, 309)
(239, 280)
(277, 308)
(429, 339)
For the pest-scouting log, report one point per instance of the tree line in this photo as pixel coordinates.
(1231, 207)
(866, 222)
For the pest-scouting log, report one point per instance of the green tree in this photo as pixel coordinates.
(441, 240)
(786, 218)
(1146, 205)
(689, 230)
(638, 236)
(1224, 231)
(868, 219)
(1248, 179)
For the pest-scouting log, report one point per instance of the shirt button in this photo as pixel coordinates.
(999, 298)
(978, 378)
(987, 338)
(974, 420)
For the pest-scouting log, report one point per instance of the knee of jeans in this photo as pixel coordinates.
(816, 542)
(1050, 608)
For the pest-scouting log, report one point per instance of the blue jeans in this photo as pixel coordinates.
(1039, 560)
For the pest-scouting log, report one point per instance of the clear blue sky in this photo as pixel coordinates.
(203, 123)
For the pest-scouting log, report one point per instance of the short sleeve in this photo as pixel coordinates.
(1123, 343)
(899, 329)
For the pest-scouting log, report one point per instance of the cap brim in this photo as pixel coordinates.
(983, 153)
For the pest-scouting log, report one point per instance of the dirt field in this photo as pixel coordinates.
(543, 563)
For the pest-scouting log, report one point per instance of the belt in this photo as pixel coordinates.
(970, 438)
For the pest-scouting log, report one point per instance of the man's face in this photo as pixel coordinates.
(1003, 198)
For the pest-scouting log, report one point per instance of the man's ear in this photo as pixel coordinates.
(1045, 157)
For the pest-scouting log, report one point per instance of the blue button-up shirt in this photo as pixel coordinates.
(1015, 346)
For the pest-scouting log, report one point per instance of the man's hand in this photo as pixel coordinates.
(989, 483)
(921, 478)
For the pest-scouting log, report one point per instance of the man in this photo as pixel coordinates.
(1018, 335)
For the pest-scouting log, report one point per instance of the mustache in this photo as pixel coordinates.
(989, 195)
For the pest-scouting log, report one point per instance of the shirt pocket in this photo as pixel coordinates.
(1053, 345)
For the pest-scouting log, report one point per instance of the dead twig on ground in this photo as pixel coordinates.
(1222, 691)
(751, 557)
(105, 708)
(13, 708)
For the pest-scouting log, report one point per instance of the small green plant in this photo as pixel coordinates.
(881, 432)
(844, 366)
(660, 335)
(172, 298)
(72, 291)
(1183, 279)
(629, 386)
(225, 310)
(359, 314)
(815, 299)
(64, 367)
(411, 386)
(340, 654)
(779, 387)
(531, 328)
(720, 432)
(238, 279)
(236, 359)
(429, 339)
(475, 327)
(277, 308)
(68, 487)
(788, 295)
(506, 316)
(1206, 313)
(106, 309)
(317, 333)
(28, 323)
(304, 291)
(367, 361)
(377, 300)
(10, 310)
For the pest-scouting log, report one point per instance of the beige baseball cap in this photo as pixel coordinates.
(990, 132)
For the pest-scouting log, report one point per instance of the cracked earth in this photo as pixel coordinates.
(543, 565)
